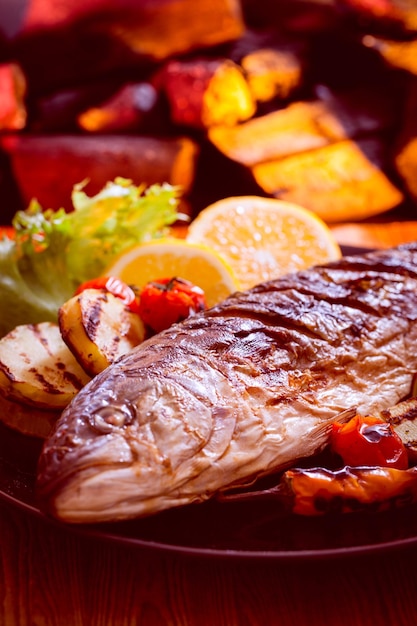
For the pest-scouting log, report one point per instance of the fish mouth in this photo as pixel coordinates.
(112, 496)
(106, 484)
(102, 483)
(56, 490)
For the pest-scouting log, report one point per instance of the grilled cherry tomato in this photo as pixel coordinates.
(368, 441)
(168, 300)
(115, 286)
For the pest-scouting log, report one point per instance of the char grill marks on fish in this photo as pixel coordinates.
(236, 392)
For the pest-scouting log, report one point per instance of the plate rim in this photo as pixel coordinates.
(314, 554)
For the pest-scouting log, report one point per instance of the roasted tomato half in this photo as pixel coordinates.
(165, 301)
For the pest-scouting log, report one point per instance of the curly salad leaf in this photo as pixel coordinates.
(53, 252)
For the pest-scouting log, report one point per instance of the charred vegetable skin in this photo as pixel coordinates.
(98, 327)
(318, 491)
(350, 489)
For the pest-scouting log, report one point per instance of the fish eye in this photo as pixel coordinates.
(110, 417)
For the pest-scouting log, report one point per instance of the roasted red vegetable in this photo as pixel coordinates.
(368, 441)
(318, 491)
(350, 489)
(168, 300)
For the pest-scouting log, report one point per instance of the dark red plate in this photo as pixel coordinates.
(255, 530)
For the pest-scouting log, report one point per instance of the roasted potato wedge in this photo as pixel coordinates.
(37, 368)
(98, 328)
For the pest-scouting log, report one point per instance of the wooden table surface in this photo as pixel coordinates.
(53, 576)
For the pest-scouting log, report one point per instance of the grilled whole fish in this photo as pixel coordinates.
(239, 391)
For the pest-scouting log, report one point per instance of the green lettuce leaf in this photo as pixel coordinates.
(55, 251)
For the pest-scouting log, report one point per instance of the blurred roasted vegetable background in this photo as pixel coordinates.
(311, 101)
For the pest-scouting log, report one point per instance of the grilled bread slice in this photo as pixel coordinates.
(98, 328)
(37, 368)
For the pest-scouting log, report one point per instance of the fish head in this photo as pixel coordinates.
(124, 447)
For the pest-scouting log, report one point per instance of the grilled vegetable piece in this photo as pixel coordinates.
(206, 92)
(351, 489)
(344, 180)
(272, 72)
(165, 301)
(13, 87)
(397, 54)
(396, 15)
(303, 126)
(403, 419)
(134, 106)
(37, 368)
(317, 491)
(369, 440)
(98, 328)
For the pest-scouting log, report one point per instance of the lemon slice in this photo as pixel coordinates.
(169, 257)
(263, 238)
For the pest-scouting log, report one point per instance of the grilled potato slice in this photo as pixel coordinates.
(37, 368)
(98, 328)
(26, 419)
